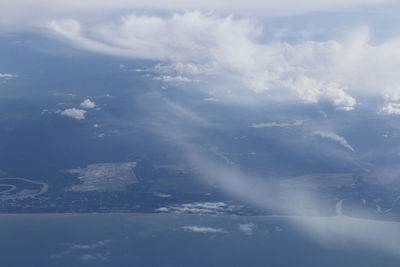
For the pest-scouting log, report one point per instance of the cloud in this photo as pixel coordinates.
(200, 208)
(391, 108)
(7, 76)
(375, 234)
(247, 228)
(96, 256)
(275, 124)
(50, 111)
(168, 78)
(87, 103)
(260, 192)
(198, 229)
(201, 43)
(158, 194)
(95, 245)
(312, 91)
(392, 101)
(75, 113)
(334, 137)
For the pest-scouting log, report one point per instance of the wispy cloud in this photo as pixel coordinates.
(199, 229)
(7, 76)
(200, 208)
(334, 137)
(275, 124)
(168, 78)
(99, 256)
(92, 246)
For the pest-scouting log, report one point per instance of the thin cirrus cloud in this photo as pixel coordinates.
(194, 42)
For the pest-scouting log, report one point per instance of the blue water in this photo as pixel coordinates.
(166, 240)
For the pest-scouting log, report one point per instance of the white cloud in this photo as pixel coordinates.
(392, 94)
(376, 234)
(7, 76)
(312, 91)
(334, 137)
(168, 78)
(185, 68)
(162, 195)
(275, 124)
(75, 113)
(200, 208)
(199, 43)
(392, 101)
(87, 103)
(391, 108)
(95, 245)
(50, 111)
(247, 228)
(199, 229)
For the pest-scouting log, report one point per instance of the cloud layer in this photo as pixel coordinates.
(29, 12)
(196, 43)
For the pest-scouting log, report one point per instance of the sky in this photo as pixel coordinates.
(28, 12)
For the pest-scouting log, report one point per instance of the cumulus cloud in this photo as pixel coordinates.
(312, 91)
(198, 229)
(334, 137)
(87, 103)
(74, 113)
(392, 101)
(391, 108)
